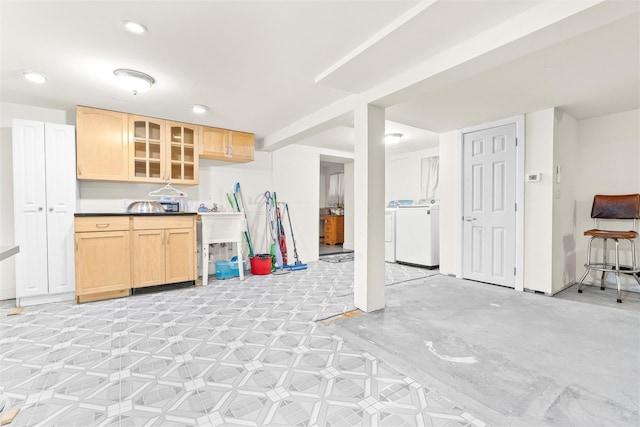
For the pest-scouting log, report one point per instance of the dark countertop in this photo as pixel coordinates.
(135, 214)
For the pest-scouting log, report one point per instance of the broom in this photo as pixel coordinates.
(298, 264)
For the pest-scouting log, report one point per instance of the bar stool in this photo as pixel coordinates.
(613, 207)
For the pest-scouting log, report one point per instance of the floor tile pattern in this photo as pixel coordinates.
(230, 353)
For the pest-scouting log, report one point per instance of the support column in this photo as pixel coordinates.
(369, 173)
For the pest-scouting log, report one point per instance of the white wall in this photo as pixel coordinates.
(595, 156)
(565, 150)
(450, 152)
(404, 175)
(349, 207)
(538, 199)
(607, 163)
(8, 112)
(215, 181)
(538, 202)
(298, 183)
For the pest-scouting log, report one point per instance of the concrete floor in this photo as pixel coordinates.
(512, 358)
(332, 249)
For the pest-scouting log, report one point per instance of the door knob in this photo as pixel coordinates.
(468, 218)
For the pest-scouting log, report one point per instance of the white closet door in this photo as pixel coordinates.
(29, 208)
(60, 155)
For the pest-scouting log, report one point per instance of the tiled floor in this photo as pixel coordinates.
(231, 353)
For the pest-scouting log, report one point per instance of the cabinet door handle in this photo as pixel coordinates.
(39, 208)
(50, 209)
(76, 244)
(103, 225)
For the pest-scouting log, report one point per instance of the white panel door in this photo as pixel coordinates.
(60, 155)
(489, 205)
(29, 208)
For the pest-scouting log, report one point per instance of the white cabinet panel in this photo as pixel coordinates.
(29, 203)
(61, 187)
(45, 191)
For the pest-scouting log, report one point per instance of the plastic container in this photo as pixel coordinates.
(226, 269)
(261, 264)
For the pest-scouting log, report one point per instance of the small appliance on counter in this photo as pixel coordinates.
(173, 204)
(170, 206)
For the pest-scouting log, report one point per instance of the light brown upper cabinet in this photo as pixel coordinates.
(113, 146)
(147, 149)
(226, 145)
(182, 152)
(102, 145)
(213, 145)
(242, 146)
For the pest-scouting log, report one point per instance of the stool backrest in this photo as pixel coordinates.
(616, 207)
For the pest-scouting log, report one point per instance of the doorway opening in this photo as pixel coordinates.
(331, 227)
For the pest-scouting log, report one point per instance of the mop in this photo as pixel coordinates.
(281, 237)
(273, 230)
(298, 264)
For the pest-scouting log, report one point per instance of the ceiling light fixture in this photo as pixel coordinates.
(392, 138)
(199, 109)
(134, 27)
(34, 77)
(135, 81)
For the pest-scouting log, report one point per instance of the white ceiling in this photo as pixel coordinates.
(590, 75)
(262, 65)
(252, 62)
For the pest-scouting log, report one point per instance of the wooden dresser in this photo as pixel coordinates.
(333, 229)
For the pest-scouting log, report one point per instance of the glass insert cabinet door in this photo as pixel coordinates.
(146, 139)
(183, 146)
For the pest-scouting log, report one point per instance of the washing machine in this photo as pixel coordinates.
(417, 235)
(390, 228)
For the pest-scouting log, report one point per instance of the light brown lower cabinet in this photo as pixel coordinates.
(103, 258)
(163, 250)
(115, 254)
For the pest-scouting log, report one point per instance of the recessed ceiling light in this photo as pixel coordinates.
(135, 81)
(34, 77)
(392, 138)
(199, 109)
(134, 27)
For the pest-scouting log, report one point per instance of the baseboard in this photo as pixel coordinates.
(44, 299)
(6, 294)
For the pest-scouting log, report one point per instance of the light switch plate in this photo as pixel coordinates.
(534, 177)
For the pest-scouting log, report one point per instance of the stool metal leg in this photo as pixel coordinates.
(618, 270)
(587, 269)
(633, 261)
(604, 265)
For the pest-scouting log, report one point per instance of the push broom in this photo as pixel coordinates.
(298, 264)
